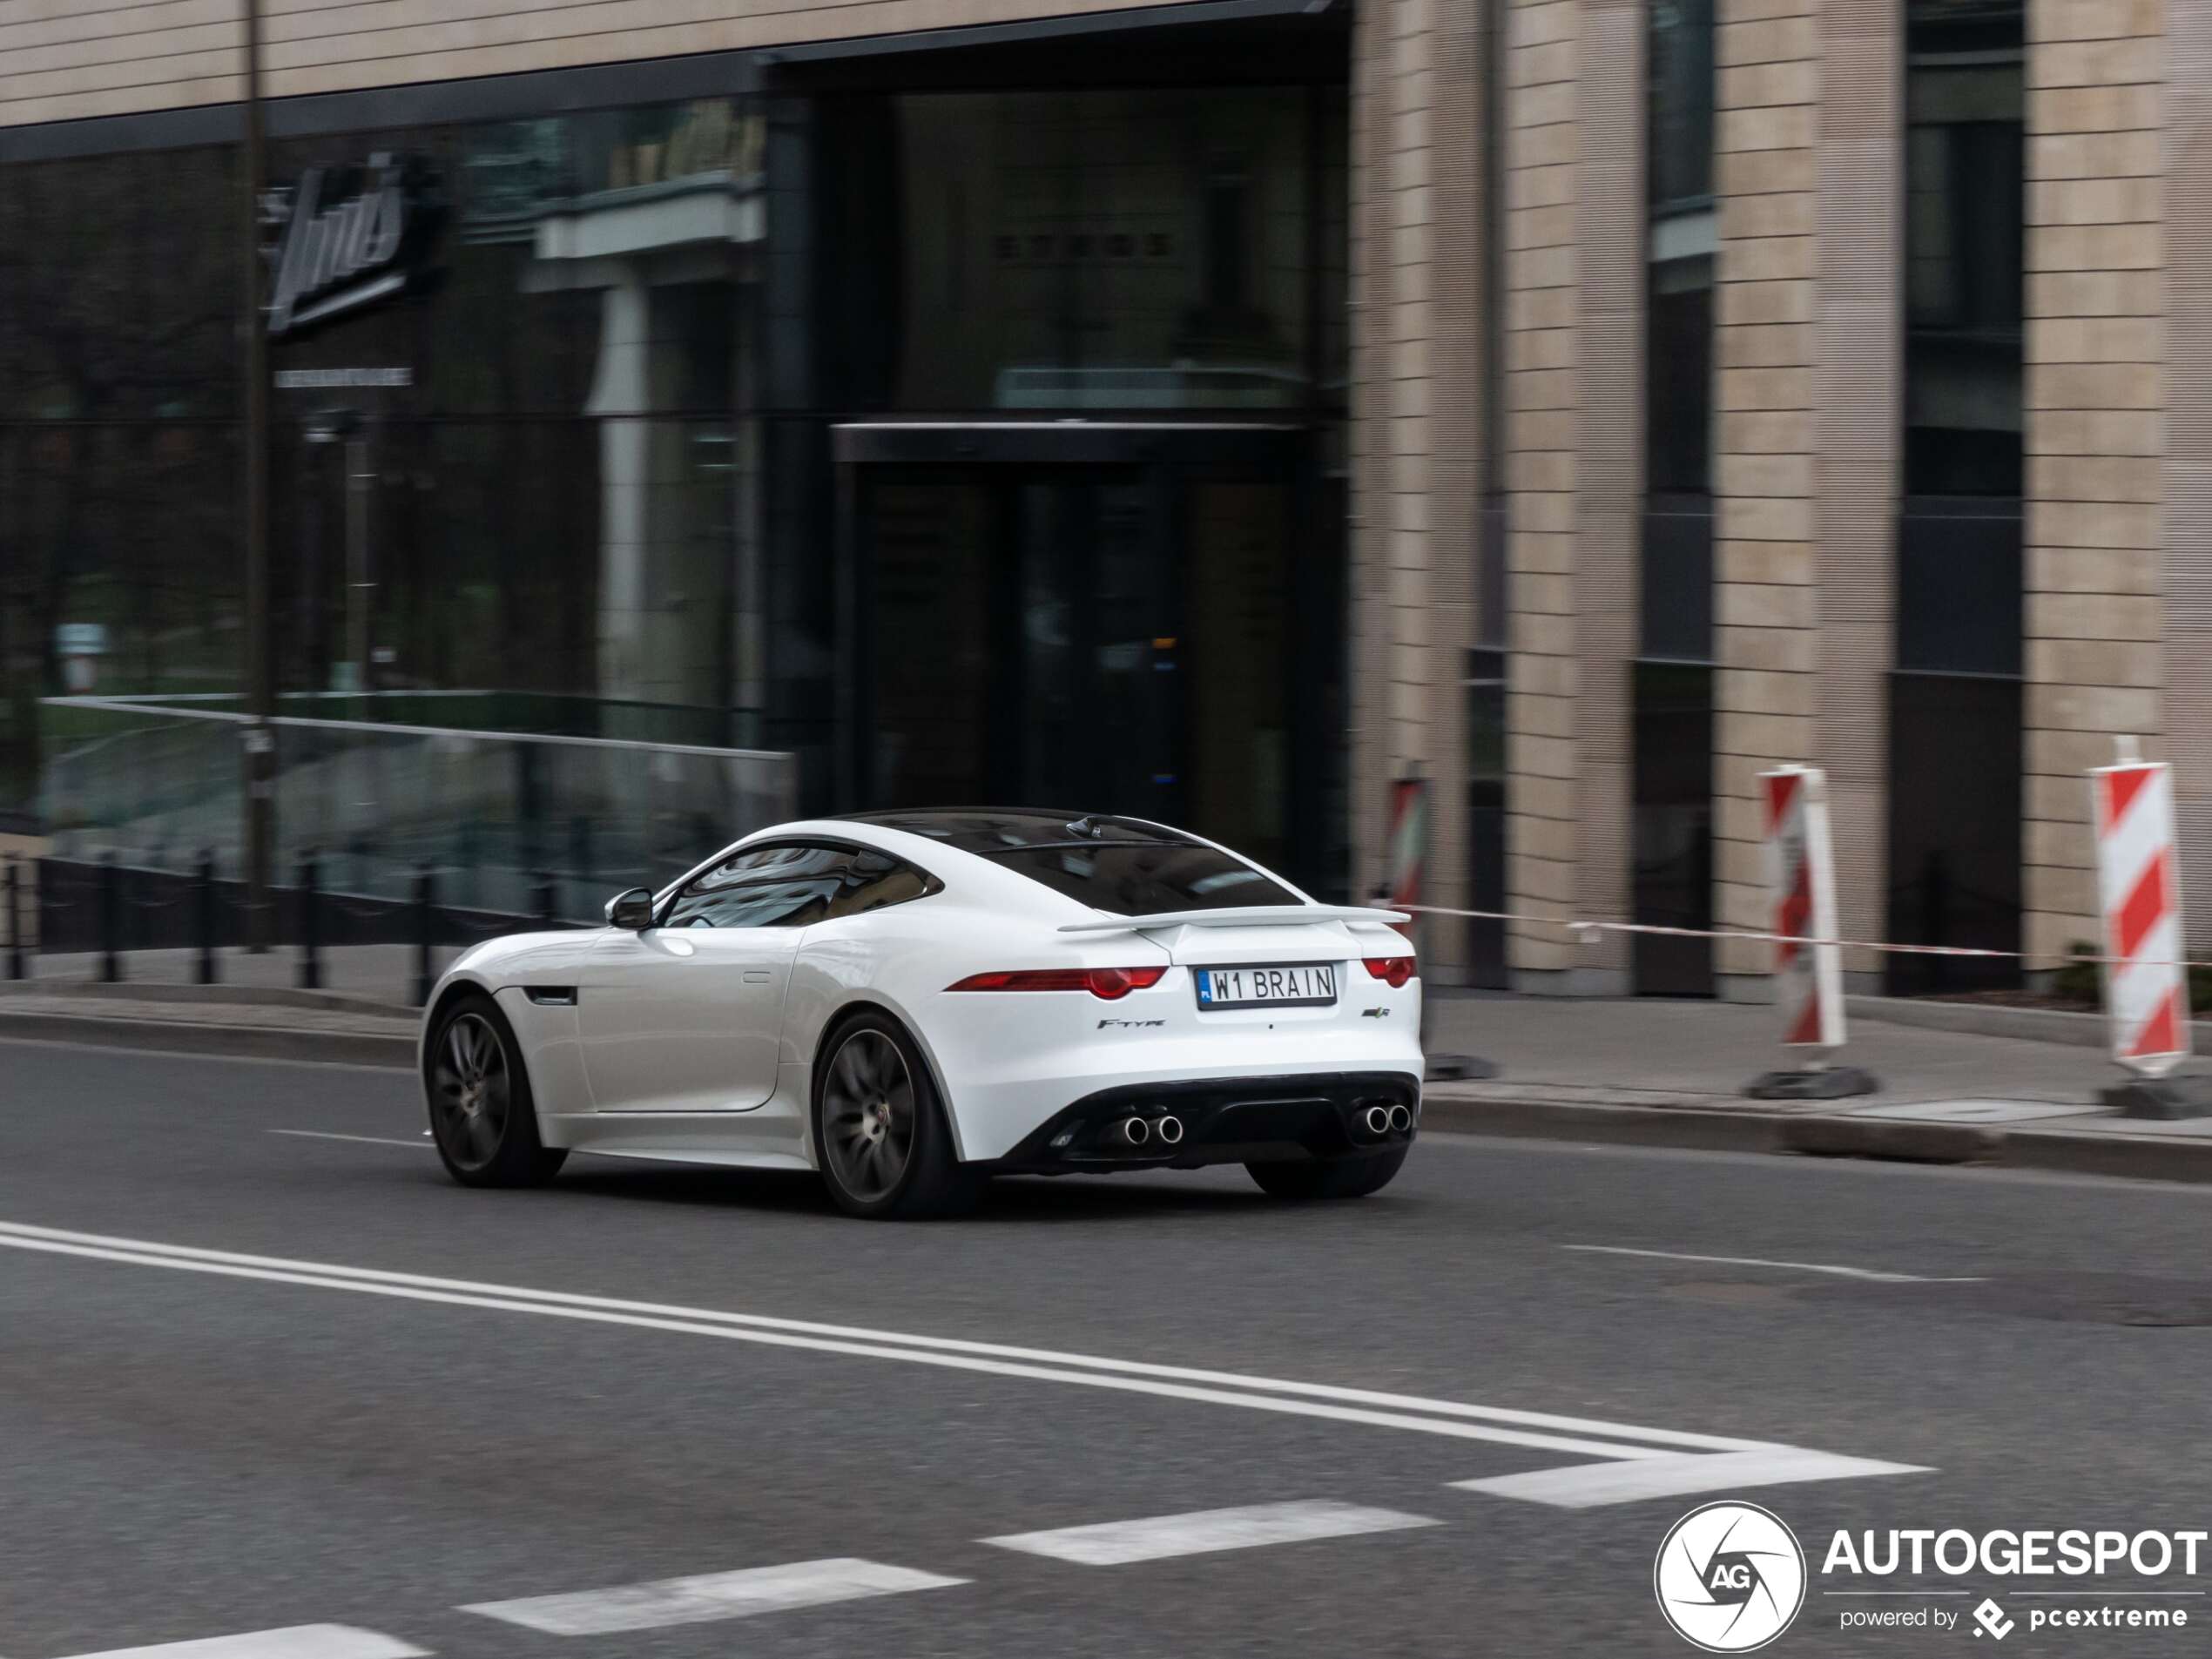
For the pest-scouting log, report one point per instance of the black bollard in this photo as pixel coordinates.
(110, 920)
(310, 923)
(549, 901)
(203, 904)
(426, 896)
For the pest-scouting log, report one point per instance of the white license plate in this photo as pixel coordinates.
(1288, 985)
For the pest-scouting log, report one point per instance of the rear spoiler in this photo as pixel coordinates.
(1279, 915)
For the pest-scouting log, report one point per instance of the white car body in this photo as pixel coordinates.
(699, 1044)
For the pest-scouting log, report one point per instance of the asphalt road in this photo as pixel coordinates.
(195, 1447)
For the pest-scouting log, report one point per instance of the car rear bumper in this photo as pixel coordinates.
(1223, 1120)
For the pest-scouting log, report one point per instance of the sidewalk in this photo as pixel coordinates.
(1635, 1072)
(1672, 1073)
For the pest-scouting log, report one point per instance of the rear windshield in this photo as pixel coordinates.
(989, 830)
(1138, 878)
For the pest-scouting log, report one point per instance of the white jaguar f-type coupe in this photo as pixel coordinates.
(912, 1002)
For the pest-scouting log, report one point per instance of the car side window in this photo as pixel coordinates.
(788, 885)
(874, 880)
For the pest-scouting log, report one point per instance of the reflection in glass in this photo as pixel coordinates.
(1095, 250)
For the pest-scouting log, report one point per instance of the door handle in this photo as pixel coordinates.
(757, 977)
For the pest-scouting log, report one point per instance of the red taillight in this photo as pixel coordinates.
(1111, 983)
(1392, 971)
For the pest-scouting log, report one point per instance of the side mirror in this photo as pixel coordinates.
(633, 909)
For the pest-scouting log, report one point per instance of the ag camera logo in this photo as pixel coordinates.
(1729, 1577)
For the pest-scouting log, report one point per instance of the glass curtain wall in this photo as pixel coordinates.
(1119, 314)
(119, 407)
(516, 464)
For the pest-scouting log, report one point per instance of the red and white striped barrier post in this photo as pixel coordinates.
(2138, 912)
(1408, 854)
(1808, 963)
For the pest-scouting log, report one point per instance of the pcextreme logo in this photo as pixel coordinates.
(1729, 1577)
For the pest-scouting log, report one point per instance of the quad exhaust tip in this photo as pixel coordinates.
(1400, 1119)
(1378, 1120)
(1133, 1131)
(1170, 1130)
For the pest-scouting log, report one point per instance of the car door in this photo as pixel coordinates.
(687, 1015)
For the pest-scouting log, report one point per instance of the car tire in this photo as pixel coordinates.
(483, 1116)
(883, 1140)
(1328, 1178)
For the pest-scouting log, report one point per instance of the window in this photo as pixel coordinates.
(1671, 780)
(795, 884)
(1678, 178)
(1080, 248)
(990, 831)
(784, 885)
(875, 881)
(1136, 878)
(1964, 246)
(1680, 166)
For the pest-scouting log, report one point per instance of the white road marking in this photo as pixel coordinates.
(1755, 1261)
(1590, 1486)
(423, 1144)
(709, 1598)
(1113, 1543)
(299, 1642)
(1449, 1418)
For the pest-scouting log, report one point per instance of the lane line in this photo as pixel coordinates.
(298, 1641)
(709, 1597)
(1394, 1410)
(1258, 1402)
(1794, 1267)
(1592, 1486)
(423, 1144)
(1114, 1542)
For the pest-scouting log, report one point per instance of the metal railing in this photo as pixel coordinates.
(107, 910)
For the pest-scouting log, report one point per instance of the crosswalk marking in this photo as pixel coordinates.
(296, 1641)
(710, 1597)
(1589, 1486)
(1113, 1543)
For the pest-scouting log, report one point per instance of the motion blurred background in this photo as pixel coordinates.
(1454, 440)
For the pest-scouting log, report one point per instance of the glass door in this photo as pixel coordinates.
(1152, 631)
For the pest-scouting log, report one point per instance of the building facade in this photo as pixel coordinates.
(1221, 411)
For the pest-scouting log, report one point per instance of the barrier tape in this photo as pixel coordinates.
(1586, 932)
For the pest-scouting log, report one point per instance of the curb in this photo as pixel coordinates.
(224, 1041)
(1825, 1135)
(218, 995)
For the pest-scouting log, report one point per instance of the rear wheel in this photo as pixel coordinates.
(1336, 1178)
(881, 1130)
(482, 1113)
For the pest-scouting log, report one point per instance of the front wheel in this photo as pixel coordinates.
(1335, 1179)
(482, 1113)
(881, 1131)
